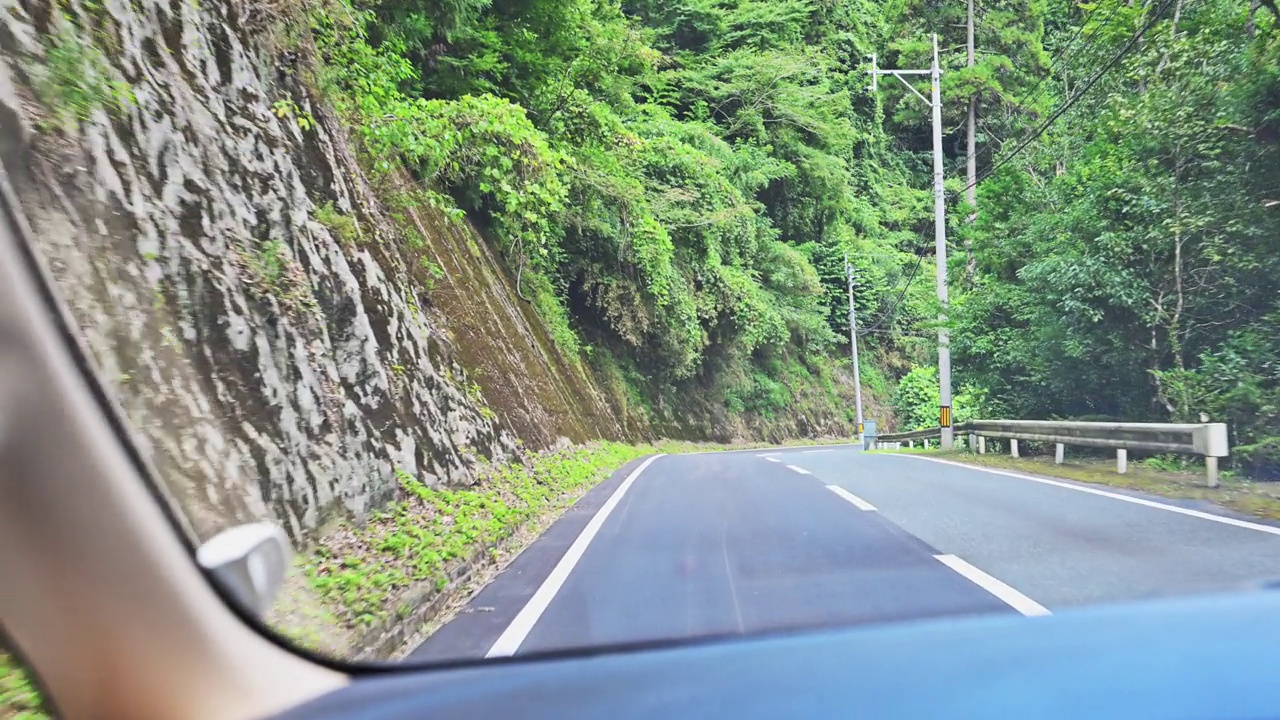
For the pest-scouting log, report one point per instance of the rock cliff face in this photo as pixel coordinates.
(262, 325)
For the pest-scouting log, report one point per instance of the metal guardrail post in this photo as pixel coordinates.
(1211, 441)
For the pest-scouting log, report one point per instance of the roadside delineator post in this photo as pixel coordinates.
(1122, 461)
(1058, 453)
(1013, 447)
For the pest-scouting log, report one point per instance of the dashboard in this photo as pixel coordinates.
(1206, 657)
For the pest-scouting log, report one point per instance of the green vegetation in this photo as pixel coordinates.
(344, 227)
(18, 698)
(1125, 263)
(673, 188)
(288, 108)
(273, 272)
(75, 78)
(270, 263)
(915, 402)
(429, 532)
(675, 185)
(299, 614)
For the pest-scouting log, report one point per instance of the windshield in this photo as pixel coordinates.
(543, 325)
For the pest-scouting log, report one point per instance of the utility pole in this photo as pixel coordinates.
(971, 264)
(939, 230)
(853, 343)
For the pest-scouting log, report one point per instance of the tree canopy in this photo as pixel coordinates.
(679, 181)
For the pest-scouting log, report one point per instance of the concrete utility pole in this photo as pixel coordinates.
(853, 343)
(971, 264)
(939, 230)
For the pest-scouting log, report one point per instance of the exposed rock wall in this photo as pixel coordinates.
(271, 366)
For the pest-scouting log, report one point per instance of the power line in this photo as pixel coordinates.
(897, 301)
(900, 333)
(1053, 117)
(1040, 86)
(1061, 53)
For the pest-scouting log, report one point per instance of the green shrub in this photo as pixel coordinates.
(485, 150)
(344, 227)
(766, 395)
(18, 697)
(1259, 459)
(915, 402)
(76, 79)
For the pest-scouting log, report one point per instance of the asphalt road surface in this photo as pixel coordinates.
(766, 541)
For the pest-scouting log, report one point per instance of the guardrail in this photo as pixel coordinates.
(1206, 439)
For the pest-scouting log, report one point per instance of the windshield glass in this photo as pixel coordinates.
(554, 324)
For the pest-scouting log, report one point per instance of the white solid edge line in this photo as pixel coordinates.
(857, 501)
(510, 640)
(810, 452)
(1011, 597)
(1114, 496)
(800, 470)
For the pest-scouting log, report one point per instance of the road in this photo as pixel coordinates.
(750, 542)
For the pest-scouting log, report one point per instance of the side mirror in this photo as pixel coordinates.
(249, 562)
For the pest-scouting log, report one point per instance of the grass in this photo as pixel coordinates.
(272, 271)
(1156, 476)
(344, 227)
(361, 572)
(76, 79)
(270, 263)
(300, 615)
(18, 697)
(555, 317)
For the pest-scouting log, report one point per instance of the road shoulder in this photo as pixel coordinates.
(470, 627)
(1236, 498)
